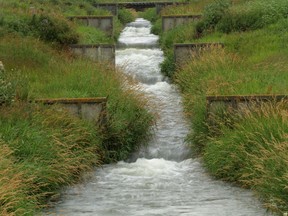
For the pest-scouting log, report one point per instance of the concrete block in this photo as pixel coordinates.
(96, 52)
(170, 22)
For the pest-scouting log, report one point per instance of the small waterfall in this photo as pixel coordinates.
(162, 180)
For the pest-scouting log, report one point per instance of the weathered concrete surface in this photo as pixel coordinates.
(104, 23)
(91, 109)
(185, 52)
(170, 22)
(238, 103)
(96, 52)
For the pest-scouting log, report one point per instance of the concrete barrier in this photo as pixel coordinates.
(184, 52)
(170, 22)
(104, 23)
(238, 103)
(91, 109)
(96, 52)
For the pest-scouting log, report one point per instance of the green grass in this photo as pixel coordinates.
(48, 21)
(51, 147)
(254, 154)
(47, 149)
(91, 35)
(44, 148)
(248, 148)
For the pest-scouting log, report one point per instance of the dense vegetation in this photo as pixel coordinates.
(45, 148)
(250, 147)
(47, 20)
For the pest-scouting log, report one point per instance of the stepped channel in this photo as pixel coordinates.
(160, 179)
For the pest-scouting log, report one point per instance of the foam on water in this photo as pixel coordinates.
(162, 180)
(138, 34)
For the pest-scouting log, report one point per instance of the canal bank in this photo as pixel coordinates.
(161, 178)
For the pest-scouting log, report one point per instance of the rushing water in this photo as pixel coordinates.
(162, 179)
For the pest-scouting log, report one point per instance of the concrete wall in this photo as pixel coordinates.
(170, 22)
(239, 103)
(98, 52)
(185, 52)
(104, 23)
(91, 109)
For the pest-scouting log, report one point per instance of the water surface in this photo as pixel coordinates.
(162, 179)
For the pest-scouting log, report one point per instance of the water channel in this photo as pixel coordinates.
(160, 179)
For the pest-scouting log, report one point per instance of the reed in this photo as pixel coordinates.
(241, 148)
(49, 149)
(253, 153)
(44, 148)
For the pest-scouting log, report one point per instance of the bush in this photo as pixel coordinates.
(249, 16)
(53, 29)
(20, 26)
(150, 14)
(237, 22)
(213, 13)
(157, 27)
(168, 66)
(125, 16)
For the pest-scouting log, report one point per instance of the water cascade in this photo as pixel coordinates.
(160, 179)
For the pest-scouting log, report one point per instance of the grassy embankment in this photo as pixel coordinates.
(117, 1)
(44, 148)
(248, 148)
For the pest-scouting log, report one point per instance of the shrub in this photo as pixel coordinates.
(213, 13)
(248, 16)
(20, 26)
(150, 14)
(168, 66)
(157, 27)
(125, 16)
(53, 29)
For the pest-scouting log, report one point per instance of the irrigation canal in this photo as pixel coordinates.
(160, 179)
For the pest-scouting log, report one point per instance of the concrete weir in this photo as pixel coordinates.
(239, 103)
(91, 109)
(96, 52)
(104, 23)
(185, 52)
(170, 22)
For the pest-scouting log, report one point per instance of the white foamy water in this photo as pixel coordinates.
(162, 180)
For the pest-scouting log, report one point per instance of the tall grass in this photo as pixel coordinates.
(193, 7)
(91, 35)
(81, 78)
(46, 147)
(250, 148)
(254, 153)
(12, 184)
(48, 21)
(247, 16)
(49, 149)
(235, 148)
